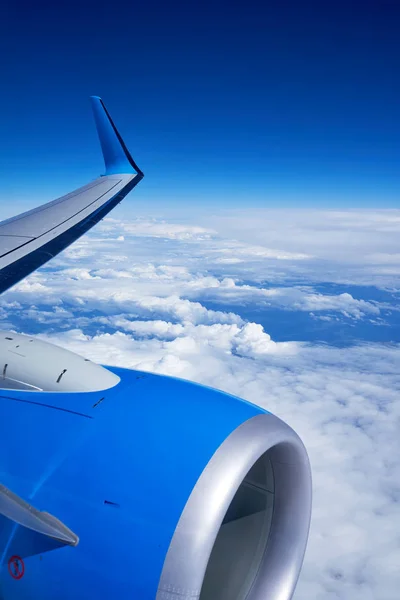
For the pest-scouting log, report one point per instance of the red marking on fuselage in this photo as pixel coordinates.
(16, 567)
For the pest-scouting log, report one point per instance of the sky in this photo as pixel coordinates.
(264, 103)
(260, 254)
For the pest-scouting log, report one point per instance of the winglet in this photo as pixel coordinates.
(116, 155)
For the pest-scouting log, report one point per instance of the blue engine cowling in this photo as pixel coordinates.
(174, 491)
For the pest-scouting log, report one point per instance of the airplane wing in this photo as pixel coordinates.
(30, 239)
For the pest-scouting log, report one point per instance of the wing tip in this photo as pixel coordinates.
(116, 155)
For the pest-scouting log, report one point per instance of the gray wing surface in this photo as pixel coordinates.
(30, 239)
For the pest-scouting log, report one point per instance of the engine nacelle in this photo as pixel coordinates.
(175, 491)
(27, 363)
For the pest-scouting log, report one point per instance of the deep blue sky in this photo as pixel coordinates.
(256, 103)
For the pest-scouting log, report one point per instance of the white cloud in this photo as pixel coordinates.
(308, 246)
(358, 247)
(302, 298)
(140, 288)
(156, 228)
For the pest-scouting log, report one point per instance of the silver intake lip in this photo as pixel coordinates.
(281, 547)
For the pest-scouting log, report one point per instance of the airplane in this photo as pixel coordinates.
(116, 483)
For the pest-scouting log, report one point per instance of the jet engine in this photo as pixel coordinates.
(124, 484)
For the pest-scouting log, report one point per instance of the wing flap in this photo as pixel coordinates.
(8, 243)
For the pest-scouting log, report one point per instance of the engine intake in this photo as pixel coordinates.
(244, 529)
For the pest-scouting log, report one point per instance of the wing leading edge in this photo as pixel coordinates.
(30, 239)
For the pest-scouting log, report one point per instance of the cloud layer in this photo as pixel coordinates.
(169, 296)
